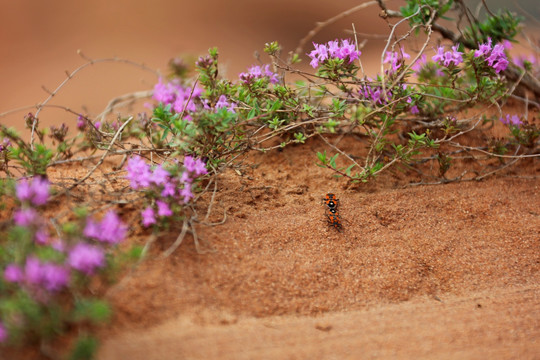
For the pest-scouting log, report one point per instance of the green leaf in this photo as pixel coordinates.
(332, 161)
(85, 348)
(92, 310)
(322, 156)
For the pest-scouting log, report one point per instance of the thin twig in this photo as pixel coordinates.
(118, 132)
(121, 100)
(358, 48)
(321, 25)
(211, 200)
(71, 75)
(178, 241)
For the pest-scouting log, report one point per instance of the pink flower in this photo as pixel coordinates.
(513, 120)
(58, 245)
(177, 96)
(54, 277)
(36, 191)
(223, 103)
(257, 72)
(86, 258)
(417, 66)
(483, 49)
(13, 273)
(160, 176)
(185, 178)
(494, 56)
(520, 60)
(148, 216)
(50, 276)
(314, 59)
(448, 58)
(25, 217)
(3, 333)
(163, 208)
(113, 230)
(109, 230)
(374, 93)
(500, 65)
(333, 50)
(164, 92)
(92, 229)
(5, 144)
(196, 166)
(33, 270)
(186, 192)
(40, 188)
(348, 51)
(23, 190)
(395, 59)
(47, 275)
(81, 123)
(41, 236)
(138, 173)
(169, 189)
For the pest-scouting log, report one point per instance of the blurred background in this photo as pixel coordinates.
(40, 40)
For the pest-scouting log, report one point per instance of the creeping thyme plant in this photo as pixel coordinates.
(415, 113)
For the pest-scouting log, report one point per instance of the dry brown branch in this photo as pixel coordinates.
(178, 240)
(70, 76)
(121, 101)
(118, 132)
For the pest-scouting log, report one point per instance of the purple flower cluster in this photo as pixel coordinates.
(81, 123)
(141, 176)
(180, 98)
(414, 108)
(259, 72)
(423, 63)
(374, 93)
(3, 333)
(36, 191)
(195, 166)
(44, 274)
(86, 258)
(520, 60)
(395, 59)
(25, 217)
(110, 230)
(448, 58)
(32, 193)
(493, 55)
(417, 66)
(224, 103)
(38, 274)
(43, 278)
(4, 144)
(28, 217)
(171, 189)
(333, 50)
(513, 120)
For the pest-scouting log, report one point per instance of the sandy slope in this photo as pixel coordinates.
(449, 271)
(496, 324)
